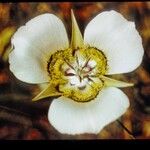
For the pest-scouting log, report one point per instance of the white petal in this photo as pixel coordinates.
(92, 63)
(28, 69)
(74, 80)
(118, 39)
(70, 117)
(33, 44)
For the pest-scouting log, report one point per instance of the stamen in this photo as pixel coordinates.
(80, 78)
(69, 73)
(82, 87)
(90, 79)
(77, 60)
(86, 63)
(69, 65)
(94, 76)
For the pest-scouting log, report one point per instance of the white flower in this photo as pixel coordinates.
(76, 72)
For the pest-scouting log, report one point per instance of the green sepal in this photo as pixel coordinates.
(108, 82)
(49, 91)
(76, 38)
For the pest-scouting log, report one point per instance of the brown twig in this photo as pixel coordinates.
(126, 129)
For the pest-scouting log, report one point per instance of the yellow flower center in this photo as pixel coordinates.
(76, 73)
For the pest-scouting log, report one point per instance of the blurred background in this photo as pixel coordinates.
(22, 119)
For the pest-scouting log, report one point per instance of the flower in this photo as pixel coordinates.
(77, 72)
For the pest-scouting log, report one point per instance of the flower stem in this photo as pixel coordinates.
(126, 129)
